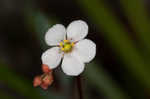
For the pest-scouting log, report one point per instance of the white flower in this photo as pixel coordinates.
(69, 45)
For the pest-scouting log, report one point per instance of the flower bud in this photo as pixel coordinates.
(37, 81)
(46, 69)
(48, 79)
(44, 86)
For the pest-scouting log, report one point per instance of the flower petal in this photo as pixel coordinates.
(52, 57)
(55, 34)
(85, 50)
(72, 66)
(77, 30)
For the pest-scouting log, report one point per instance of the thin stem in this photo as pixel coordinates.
(79, 86)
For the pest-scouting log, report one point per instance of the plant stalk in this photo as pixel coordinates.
(79, 87)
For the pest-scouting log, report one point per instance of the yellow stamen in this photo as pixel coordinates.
(66, 41)
(62, 49)
(61, 44)
(72, 44)
(66, 46)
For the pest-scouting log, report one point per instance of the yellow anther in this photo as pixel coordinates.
(62, 49)
(72, 44)
(66, 46)
(66, 41)
(61, 44)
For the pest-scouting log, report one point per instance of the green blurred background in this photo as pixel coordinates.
(120, 28)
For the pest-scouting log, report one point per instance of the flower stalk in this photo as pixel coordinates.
(79, 87)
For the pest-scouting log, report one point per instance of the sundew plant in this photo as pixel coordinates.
(74, 49)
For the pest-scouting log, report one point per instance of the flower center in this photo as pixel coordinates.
(66, 46)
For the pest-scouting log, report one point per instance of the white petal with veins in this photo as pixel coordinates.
(55, 34)
(52, 57)
(77, 30)
(72, 66)
(85, 50)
